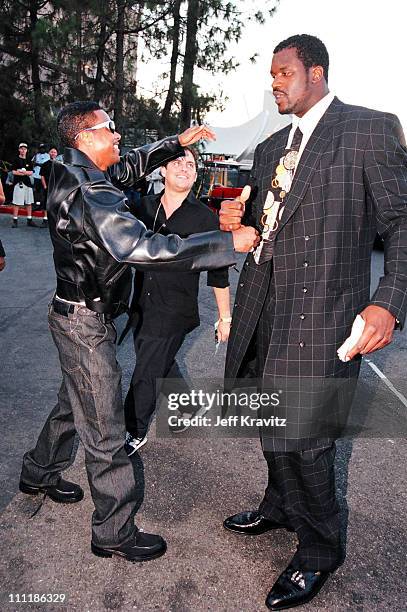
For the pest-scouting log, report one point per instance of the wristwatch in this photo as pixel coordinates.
(225, 320)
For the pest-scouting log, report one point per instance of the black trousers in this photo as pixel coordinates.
(301, 493)
(39, 195)
(155, 359)
(301, 486)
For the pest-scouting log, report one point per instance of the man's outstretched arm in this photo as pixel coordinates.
(137, 163)
(109, 223)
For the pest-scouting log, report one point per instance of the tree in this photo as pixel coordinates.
(119, 72)
(207, 30)
(21, 38)
(174, 34)
(57, 51)
(190, 58)
(102, 38)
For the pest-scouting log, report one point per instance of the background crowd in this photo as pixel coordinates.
(24, 182)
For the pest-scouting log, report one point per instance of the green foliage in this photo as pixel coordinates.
(54, 52)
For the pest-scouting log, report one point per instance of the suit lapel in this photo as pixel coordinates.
(315, 147)
(277, 145)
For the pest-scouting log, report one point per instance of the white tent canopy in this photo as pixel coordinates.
(240, 141)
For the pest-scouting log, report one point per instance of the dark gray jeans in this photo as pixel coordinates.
(89, 403)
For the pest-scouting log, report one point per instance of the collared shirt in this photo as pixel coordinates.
(166, 303)
(308, 122)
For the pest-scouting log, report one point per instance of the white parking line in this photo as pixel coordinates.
(387, 382)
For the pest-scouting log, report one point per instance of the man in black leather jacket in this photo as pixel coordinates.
(95, 237)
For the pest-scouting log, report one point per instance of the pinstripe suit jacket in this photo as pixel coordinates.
(351, 181)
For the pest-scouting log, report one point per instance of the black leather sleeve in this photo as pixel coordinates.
(137, 163)
(109, 223)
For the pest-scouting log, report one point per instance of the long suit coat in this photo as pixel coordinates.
(351, 181)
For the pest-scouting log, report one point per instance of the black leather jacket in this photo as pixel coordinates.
(95, 236)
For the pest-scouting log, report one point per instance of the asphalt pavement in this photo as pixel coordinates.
(191, 484)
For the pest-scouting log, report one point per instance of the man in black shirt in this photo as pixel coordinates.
(165, 304)
(45, 172)
(22, 194)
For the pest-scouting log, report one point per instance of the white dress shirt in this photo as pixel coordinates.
(273, 208)
(308, 122)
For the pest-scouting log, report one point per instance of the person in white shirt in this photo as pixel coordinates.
(23, 196)
(38, 160)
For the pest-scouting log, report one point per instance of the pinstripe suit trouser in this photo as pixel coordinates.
(301, 486)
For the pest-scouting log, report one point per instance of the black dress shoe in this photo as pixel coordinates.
(63, 492)
(252, 523)
(294, 588)
(144, 547)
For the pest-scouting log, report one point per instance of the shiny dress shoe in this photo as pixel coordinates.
(63, 492)
(144, 547)
(294, 588)
(252, 523)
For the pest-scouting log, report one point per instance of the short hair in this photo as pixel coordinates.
(193, 153)
(310, 50)
(73, 118)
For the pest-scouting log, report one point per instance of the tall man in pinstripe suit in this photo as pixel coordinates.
(298, 298)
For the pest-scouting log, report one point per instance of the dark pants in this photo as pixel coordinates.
(89, 403)
(301, 493)
(301, 484)
(39, 195)
(155, 360)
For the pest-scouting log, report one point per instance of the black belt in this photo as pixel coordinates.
(62, 308)
(65, 309)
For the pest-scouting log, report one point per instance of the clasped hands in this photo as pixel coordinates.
(230, 216)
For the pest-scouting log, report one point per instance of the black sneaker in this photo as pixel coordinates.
(31, 223)
(132, 444)
(15, 223)
(44, 223)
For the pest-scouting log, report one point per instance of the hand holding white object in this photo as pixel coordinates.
(357, 330)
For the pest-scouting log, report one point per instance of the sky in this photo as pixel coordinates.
(366, 41)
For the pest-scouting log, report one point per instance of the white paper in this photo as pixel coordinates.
(357, 330)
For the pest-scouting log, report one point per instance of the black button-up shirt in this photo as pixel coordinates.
(166, 303)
